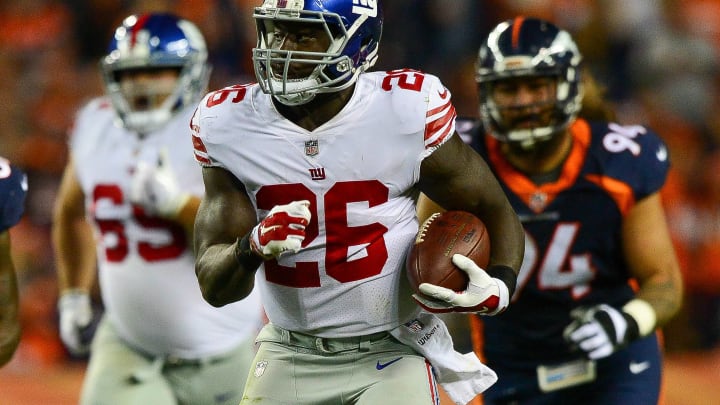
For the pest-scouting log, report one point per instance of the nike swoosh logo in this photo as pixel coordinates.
(264, 230)
(637, 368)
(443, 94)
(381, 366)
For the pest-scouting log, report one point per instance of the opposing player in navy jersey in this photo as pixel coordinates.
(13, 188)
(599, 273)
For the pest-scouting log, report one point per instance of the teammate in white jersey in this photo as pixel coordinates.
(312, 176)
(132, 183)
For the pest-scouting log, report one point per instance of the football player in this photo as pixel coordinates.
(312, 176)
(599, 274)
(127, 201)
(13, 188)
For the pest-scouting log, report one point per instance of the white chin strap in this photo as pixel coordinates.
(293, 93)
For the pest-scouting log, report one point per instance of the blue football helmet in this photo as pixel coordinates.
(526, 47)
(353, 27)
(155, 41)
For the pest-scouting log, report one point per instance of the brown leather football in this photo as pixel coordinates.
(439, 238)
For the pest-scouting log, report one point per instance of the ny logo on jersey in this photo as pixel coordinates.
(317, 173)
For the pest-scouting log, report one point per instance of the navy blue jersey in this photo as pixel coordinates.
(573, 250)
(13, 188)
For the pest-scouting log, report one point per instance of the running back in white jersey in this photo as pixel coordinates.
(357, 170)
(146, 266)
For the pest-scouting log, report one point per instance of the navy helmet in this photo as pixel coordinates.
(526, 47)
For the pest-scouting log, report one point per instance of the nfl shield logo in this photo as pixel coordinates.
(415, 325)
(312, 148)
(260, 368)
(538, 201)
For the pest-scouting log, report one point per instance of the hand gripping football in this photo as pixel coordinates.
(439, 238)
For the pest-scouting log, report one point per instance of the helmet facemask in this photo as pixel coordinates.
(531, 123)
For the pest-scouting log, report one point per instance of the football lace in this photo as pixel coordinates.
(424, 227)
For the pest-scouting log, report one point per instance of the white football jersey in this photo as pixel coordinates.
(146, 265)
(357, 170)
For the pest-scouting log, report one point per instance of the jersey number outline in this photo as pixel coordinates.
(406, 79)
(115, 229)
(367, 240)
(557, 269)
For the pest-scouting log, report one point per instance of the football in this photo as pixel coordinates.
(439, 238)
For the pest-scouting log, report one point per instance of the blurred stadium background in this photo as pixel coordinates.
(658, 60)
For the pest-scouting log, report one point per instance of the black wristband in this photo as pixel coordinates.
(244, 254)
(633, 329)
(504, 273)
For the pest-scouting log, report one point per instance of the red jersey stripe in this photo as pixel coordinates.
(198, 144)
(443, 123)
(438, 110)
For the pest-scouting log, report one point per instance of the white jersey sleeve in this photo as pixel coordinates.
(441, 115)
(146, 264)
(358, 170)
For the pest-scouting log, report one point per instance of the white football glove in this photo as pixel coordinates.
(156, 189)
(75, 317)
(601, 330)
(282, 230)
(484, 295)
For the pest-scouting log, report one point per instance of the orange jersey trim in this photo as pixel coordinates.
(523, 187)
(619, 191)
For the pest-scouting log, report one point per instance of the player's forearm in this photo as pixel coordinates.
(9, 338)
(9, 323)
(507, 239)
(75, 252)
(226, 273)
(664, 294)
(186, 215)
